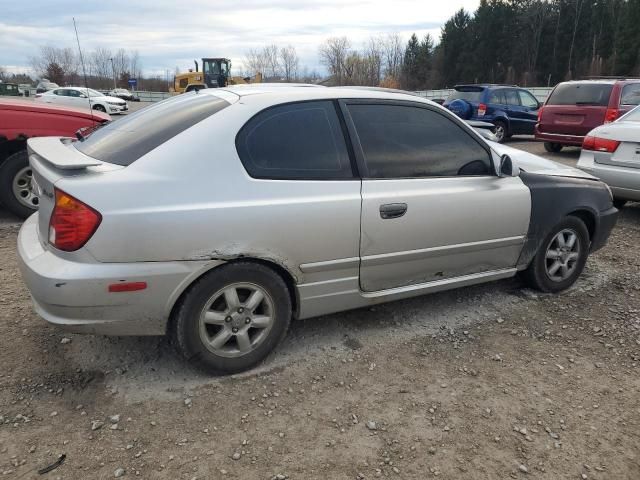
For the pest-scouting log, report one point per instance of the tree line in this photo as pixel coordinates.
(528, 42)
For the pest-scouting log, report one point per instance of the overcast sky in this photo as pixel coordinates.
(170, 33)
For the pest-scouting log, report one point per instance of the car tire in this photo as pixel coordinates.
(15, 185)
(501, 131)
(216, 343)
(100, 108)
(552, 147)
(619, 203)
(542, 274)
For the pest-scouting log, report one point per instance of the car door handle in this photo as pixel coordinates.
(393, 210)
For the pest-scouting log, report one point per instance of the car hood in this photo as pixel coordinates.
(108, 98)
(534, 164)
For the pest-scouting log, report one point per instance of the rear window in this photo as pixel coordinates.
(581, 94)
(630, 94)
(126, 140)
(632, 116)
(470, 95)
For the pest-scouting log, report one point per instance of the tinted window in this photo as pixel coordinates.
(126, 140)
(512, 97)
(497, 96)
(60, 92)
(527, 100)
(581, 94)
(468, 95)
(295, 141)
(630, 94)
(404, 141)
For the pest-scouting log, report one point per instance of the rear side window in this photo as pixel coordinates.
(406, 142)
(126, 140)
(468, 95)
(497, 96)
(581, 94)
(512, 97)
(630, 94)
(295, 141)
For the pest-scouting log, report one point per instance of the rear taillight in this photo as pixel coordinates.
(611, 115)
(599, 144)
(72, 222)
(482, 109)
(540, 114)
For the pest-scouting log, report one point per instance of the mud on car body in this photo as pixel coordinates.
(216, 217)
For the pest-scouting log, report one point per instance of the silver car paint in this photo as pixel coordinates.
(621, 169)
(189, 206)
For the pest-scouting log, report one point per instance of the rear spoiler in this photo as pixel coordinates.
(58, 152)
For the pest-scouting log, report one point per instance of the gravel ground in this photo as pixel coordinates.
(493, 381)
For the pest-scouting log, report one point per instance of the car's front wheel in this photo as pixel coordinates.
(233, 317)
(16, 188)
(561, 257)
(100, 108)
(501, 131)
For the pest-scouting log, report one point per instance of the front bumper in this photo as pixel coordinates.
(573, 140)
(118, 108)
(607, 221)
(74, 296)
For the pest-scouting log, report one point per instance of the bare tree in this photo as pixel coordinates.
(100, 64)
(333, 54)
(254, 62)
(373, 54)
(121, 64)
(393, 52)
(134, 64)
(62, 61)
(272, 61)
(290, 62)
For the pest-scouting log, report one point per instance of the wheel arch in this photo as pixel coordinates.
(10, 147)
(588, 217)
(281, 271)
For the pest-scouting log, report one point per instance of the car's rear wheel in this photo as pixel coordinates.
(100, 108)
(233, 317)
(552, 147)
(16, 190)
(561, 257)
(501, 131)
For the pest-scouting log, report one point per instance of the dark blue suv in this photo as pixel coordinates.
(513, 110)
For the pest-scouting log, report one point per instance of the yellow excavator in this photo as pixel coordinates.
(216, 72)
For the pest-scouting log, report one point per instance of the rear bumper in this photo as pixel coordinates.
(607, 221)
(623, 181)
(74, 295)
(575, 140)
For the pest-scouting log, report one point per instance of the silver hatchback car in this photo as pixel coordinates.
(218, 216)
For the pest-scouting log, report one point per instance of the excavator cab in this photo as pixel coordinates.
(216, 71)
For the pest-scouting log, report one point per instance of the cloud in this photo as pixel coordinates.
(169, 33)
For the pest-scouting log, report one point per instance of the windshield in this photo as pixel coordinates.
(632, 116)
(581, 94)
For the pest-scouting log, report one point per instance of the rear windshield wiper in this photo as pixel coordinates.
(84, 132)
(595, 104)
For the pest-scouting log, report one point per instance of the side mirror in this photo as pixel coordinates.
(508, 167)
(82, 95)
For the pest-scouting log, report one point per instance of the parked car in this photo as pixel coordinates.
(574, 108)
(45, 86)
(9, 89)
(195, 87)
(513, 110)
(80, 97)
(20, 120)
(611, 152)
(217, 217)
(123, 94)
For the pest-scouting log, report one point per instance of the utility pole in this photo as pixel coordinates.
(113, 69)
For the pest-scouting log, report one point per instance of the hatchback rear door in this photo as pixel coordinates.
(575, 108)
(432, 207)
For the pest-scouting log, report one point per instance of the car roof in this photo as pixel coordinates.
(313, 92)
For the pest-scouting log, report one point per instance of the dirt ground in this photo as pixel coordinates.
(489, 382)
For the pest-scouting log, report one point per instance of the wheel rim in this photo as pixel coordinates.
(22, 186)
(562, 255)
(499, 133)
(236, 319)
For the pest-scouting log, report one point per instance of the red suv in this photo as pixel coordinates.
(20, 120)
(575, 108)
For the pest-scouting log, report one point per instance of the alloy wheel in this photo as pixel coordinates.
(22, 187)
(236, 319)
(562, 255)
